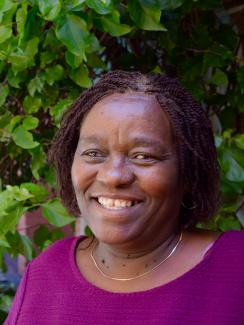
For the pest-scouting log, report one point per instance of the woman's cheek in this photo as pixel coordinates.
(83, 175)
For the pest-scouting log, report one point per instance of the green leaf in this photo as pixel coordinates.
(80, 77)
(113, 28)
(15, 120)
(22, 59)
(239, 141)
(9, 221)
(74, 5)
(30, 122)
(217, 56)
(5, 33)
(38, 161)
(41, 234)
(4, 91)
(21, 16)
(14, 80)
(240, 78)
(5, 119)
(56, 214)
(146, 14)
(23, 138)
(73, 60)
(227, 223)
(39, 192)
(20, 244)
(73, 33)
(219, 78)
(54, 73)
(102, 7)
(58, 110)
(47, 57)
(32, 104)
(50, 9)
(35, 85)
(234, 172)
(5, 5)
(27, 247)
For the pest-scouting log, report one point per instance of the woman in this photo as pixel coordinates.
(135, 157)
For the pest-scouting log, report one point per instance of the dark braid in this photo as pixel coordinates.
(191, 127)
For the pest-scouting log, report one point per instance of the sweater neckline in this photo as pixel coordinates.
(211, 252)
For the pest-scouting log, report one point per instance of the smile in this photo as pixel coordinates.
(115, 204)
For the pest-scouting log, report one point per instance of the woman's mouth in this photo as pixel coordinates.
(115, 204)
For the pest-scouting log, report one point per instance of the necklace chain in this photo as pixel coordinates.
(138, 276)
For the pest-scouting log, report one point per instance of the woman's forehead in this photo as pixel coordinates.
(126, 105)
(136, 114)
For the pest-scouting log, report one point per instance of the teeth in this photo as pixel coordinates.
(115, 204)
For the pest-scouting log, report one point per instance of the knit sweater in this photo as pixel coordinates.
(54, 292)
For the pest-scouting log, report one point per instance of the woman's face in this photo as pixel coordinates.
(125, 170)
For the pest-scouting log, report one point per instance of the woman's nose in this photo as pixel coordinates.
(115, 172)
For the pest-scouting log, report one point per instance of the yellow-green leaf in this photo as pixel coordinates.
(23, 138)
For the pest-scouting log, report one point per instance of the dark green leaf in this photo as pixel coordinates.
(219, 78)
(146, 14)
(14, 80)
(58, 110)
(102, 7)
(240, 78)
(47, 57)
(239, 141)
(41, 234)
(54, 73)
(73, 60)
(38, 161)
(113, 28)
(73, 33)
(80, 77)
(4, 91)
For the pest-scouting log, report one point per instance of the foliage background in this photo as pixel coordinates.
(51, 50)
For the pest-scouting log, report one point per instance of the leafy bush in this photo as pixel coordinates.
(51, 50)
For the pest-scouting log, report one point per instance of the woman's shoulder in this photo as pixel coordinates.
(229, 248)
(233, 237)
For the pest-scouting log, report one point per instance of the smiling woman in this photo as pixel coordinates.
(135, 157)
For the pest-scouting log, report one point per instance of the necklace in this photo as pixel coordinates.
(138, 276)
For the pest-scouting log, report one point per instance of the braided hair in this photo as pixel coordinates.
(199, 170)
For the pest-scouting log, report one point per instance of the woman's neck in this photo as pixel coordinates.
(118, 263)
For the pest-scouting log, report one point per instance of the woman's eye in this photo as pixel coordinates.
(141, 156)
(92, 154)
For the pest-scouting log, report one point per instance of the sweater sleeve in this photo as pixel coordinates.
(18, 300)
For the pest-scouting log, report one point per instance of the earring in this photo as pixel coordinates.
(188, 208)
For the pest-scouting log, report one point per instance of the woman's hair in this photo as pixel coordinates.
(191, 127)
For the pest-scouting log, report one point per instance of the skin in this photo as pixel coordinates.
(109, 161)
(127, 151)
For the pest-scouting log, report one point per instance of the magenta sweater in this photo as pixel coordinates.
(53, 292)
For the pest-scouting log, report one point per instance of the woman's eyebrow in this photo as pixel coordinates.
(147, 142)
(135, 141)
(91, 139)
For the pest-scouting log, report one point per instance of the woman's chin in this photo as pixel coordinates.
(113, 236)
